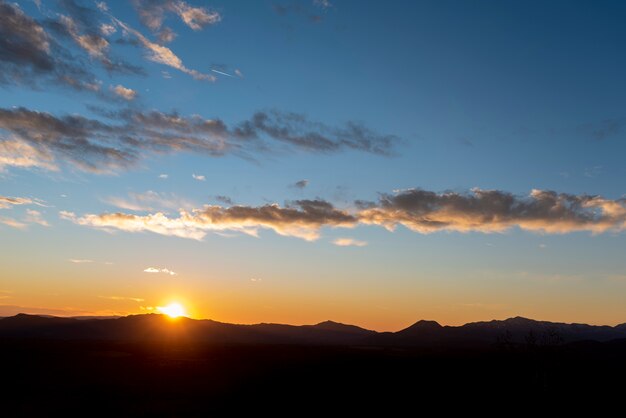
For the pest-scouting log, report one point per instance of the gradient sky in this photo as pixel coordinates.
(299, 161)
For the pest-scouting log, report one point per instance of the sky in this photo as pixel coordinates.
(299, 161)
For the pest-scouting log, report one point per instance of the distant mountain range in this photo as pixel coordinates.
(155, 327)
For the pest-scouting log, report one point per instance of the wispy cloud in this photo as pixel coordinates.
(13, 223)
(101, 147)
(198, 177)
(7, 202)
(80, 260)
(149, 201)
(161, 54)
(122, 298)
(159, 270)
(301, 184)
(35, 217)
(153, 13)
(349, 242)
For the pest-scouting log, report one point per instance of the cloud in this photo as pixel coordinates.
(302, 219)
(324, 4)
(122, 298)
(99, 146)
(153, 13)
(80, 261)
(124, 92)
(300, 184)
(295, 129)
(148, 201)
(159, 270)
(35, 217)
(107, 29)
(29, 55)
(224, 199)
(13, 223)
(15, 153)
(7, 202)
(82, 26)
(161, 54)
(495, 211)
(198, 177)
(421, 211)
(163, 176)
(349, 242)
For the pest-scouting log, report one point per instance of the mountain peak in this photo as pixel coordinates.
(338, 326)
(421, 327)
(426, 324)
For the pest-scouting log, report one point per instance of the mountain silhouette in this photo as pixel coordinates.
(156, 327)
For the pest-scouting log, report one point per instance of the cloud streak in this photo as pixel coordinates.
(7, 201)
(153, 13)
(40, 139)
(161, 54)
(160, 270)
(421, 211)
(302, 219)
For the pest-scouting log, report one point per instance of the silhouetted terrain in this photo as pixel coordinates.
(148, 365)
(154, 327)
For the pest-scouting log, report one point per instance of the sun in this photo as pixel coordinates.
(173, 310)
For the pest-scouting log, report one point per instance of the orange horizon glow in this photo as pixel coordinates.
(173, 310)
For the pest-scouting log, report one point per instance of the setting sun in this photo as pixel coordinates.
(173, 310)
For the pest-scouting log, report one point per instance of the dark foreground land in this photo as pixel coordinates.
(149, 365)
(106, 378)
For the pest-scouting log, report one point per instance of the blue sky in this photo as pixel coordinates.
(497, 96)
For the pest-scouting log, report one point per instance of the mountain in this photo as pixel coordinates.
(155, 327)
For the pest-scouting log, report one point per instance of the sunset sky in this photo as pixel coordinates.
(296, 161)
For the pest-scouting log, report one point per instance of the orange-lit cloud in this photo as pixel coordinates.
(302, 219)
(160, 270)
(124, 92)
(421, 211)
(7, 202)
(495, 211)
(349, 242)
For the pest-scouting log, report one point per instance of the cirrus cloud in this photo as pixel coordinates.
(39, 139)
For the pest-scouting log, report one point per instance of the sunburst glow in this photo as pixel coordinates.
(173, 310)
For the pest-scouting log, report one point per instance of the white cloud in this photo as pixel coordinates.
(349, 242)
(80, 260)
(13, 223)
(35, 217)
(163, 176)
(159, 270)
(162, 54)
(149, 201)
(198, 177)
(107, 30)
(14, 153)
(124, 92)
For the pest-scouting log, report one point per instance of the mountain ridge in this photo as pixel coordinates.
(150, 327)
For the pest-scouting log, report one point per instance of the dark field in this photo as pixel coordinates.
(90, 378)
